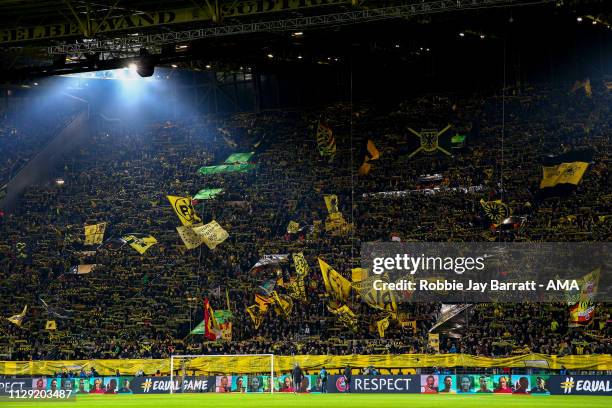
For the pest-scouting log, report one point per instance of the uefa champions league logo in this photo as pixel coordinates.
(341, 384)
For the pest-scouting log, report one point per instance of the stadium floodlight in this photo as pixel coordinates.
(222, 364)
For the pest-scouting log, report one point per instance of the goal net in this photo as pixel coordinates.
(222, 373)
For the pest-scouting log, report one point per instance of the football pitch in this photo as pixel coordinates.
(321, 400)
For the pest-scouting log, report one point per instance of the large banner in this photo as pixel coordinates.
(384, 384)
(162, 385)
(581, 385)
(469, 384)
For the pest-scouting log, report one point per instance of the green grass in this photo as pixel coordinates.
(212, 400)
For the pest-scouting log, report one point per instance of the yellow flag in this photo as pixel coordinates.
(296, 288)
(17, 319)
(263, 302)
(382, 299)
(433, 341)
(301, 266)
(51, 325)
(212, 234)
(586, 84)
(293, 227)
(283, 304)
(345, 315)
(140, 244)
(378, 299)
(256, 315)
(582, 306)
(373, 152)
(331, 202)
(358, 274)
(382, 325)
(326, 142)
(564, 173)
(337, 286)
(336, 225)
(496, 210)
(184, 210)
(190, 238)
(409, 323)
(94, 234)
(365, 168)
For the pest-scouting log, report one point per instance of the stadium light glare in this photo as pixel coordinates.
(299, 57)
(579, 19)
(270, 56)
(461, 34)
(174, 66)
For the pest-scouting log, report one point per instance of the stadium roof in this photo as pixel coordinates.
(35, 33)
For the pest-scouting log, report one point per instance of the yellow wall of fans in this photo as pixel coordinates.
(261, 364)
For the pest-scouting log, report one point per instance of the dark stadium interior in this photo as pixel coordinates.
(85, 140)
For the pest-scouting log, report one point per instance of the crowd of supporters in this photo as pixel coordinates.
(134, 305)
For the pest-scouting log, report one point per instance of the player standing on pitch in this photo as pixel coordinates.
(347, 377)
(323, 378)
(297, 375)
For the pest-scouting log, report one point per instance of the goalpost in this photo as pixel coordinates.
(226, 366)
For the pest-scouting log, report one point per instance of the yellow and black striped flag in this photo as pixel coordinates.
(326, 142)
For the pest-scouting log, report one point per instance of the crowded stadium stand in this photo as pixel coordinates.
(187, 195)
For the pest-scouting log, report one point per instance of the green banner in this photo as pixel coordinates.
(239, 158)
(199, 329)
(207, 193)
(226, 168)
(458, 139)
(223, 316)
